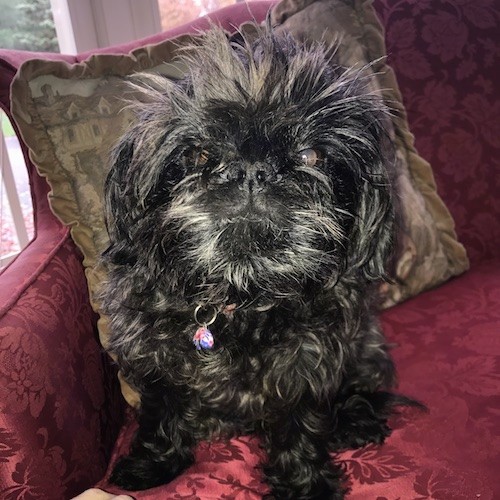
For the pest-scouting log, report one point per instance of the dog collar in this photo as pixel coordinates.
(203, 338)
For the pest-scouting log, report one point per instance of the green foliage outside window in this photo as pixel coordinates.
(27, 25)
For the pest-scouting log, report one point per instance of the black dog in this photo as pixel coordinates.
(250, 215)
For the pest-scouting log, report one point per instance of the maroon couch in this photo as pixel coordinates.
(60, 407)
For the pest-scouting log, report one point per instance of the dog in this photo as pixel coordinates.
(251, 218)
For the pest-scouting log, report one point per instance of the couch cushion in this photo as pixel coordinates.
(447, 352)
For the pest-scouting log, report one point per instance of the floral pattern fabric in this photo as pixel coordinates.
(446, 57)
(56, 419)
(59, 406)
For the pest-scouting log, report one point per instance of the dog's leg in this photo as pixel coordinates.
(361, 419)
(162, 447)
(299, 465)
(363, 405)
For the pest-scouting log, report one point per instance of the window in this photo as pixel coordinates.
(174, 12)
(88, 24)
(16, 212)
(26, 25)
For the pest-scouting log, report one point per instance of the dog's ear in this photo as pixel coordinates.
(372, 238)
(118, 211)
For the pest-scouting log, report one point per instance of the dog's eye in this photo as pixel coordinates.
(197, 157)
(202, 158)
(310, 157)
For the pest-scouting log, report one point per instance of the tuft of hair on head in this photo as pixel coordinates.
(238, 68)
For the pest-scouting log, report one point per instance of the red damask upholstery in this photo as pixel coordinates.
(59, 405)
(446, 57)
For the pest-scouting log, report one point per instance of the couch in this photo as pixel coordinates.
(62, 418)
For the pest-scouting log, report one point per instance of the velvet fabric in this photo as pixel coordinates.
(59, 403)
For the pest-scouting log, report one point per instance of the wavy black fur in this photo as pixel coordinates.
(261, 181)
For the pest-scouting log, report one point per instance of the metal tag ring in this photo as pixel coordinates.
(205, 323)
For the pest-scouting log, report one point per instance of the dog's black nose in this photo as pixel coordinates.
(252, 177)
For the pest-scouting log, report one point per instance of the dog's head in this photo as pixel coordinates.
(262, 173)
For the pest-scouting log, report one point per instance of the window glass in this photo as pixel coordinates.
(16, 212)
(27, 25)
(176, 12)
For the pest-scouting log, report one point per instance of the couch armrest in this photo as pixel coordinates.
(59, 404)
(60, 407)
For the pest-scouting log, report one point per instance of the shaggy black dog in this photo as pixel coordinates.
(250, 215)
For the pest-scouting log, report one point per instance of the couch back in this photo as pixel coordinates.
(446, 58)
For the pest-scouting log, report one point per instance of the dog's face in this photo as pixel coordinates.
(261, 174)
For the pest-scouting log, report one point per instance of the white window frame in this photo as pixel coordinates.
(83, 25)
(13, 201)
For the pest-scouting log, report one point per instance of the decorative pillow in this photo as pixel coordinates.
(71, 115)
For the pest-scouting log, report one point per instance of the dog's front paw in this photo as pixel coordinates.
(135, 474)
(362, 420)
(360, 434)
(325, 483)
